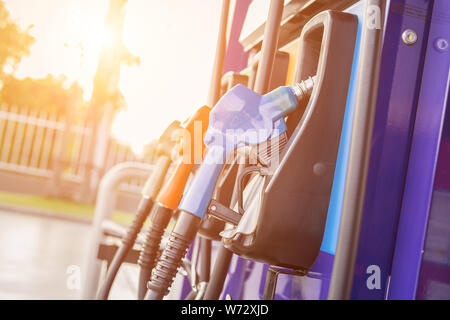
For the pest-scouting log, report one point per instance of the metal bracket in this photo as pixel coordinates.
(106, 252)
(272, 279)
(223, 213)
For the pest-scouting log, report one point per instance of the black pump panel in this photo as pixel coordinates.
(294, 207)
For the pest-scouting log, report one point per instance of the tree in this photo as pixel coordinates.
(48, 93)
(15, 43)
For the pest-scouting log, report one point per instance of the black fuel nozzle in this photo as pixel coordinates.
(149, 192)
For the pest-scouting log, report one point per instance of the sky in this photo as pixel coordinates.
(175, 40)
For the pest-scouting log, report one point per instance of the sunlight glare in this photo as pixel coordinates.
(134, 128)
(8, 69)
(176, 54)
(101, 38)
(86, 36)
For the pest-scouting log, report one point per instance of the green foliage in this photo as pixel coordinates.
(47, 93)
(14, 42)
(57, 206)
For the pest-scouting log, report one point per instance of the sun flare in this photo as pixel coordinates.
(69, 43)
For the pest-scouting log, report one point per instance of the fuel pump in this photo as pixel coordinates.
(265, 230)
(170, 195)
(241, 117)
(284, 212)
(151, 188)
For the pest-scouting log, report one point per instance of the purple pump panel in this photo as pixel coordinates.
(418, 193)
(400, 77)
(405, 143)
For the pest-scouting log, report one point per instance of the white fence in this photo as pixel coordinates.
(40, 143)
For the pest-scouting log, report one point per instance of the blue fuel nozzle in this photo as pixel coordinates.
(241, 117)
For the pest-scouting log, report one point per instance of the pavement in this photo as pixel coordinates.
(42, 258)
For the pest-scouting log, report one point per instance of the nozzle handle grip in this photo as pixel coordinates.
(197, 198)
(172, 192)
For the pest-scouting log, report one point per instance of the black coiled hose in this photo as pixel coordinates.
(167, 267)
(159, 219)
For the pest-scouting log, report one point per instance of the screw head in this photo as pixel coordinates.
(213, 208)
(409, 37)
(320, 169)
(441, 44)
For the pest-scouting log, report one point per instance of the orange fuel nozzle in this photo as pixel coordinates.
(192, 148)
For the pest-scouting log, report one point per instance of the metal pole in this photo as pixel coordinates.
(269, 46)
(221, 266)
(359, 154)
(104, 208)
(205, 267)
(219, 59)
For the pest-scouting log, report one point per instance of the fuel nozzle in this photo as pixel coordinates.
(169, 197)
(164, 148)
(241, 117)
(192, 149)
